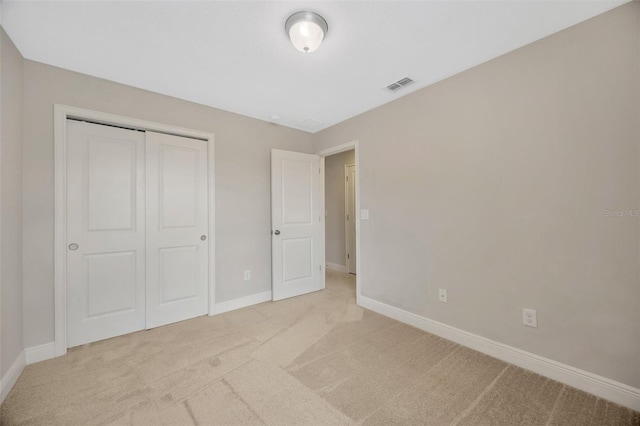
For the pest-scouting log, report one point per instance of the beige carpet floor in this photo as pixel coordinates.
(316, 359)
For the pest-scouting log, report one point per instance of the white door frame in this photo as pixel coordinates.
(61, 113)
(346, 212)
(337, 150)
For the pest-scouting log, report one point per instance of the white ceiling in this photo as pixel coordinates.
(235, 55)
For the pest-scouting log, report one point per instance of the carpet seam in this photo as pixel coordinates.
(355, 373)
(219, 379)
(230, 386)
(298, 367)
(196, 362)
(190, 411)
(476, 401)
(399, 395)
(555, 405)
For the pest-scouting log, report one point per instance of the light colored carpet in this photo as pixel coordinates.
(317, 360)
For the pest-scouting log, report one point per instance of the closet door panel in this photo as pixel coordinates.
(177, 225)
(105, 232)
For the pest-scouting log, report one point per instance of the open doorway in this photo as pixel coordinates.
(352, 146)
(340, 211)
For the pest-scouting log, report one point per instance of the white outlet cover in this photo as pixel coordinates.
(530, 317)
(442, 295)
(364, 214)
(247, 275)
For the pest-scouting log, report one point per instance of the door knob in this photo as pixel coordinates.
(277, 232)
(203, 237)
(73, 246)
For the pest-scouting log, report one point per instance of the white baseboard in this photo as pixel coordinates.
(40, 353)
(602, 387)
(242, 302)
(11, 376)
(336, 267)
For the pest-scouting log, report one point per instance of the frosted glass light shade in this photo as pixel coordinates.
(306, 30)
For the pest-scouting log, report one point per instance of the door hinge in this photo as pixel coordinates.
(318, 171)
(320, 267)
(347, 217)
(348, 256)
(347, 178)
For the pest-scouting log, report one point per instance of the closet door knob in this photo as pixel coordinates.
(277, 232)
(203, 237)
(73, 246)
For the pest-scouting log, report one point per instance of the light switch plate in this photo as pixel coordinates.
(364, 214)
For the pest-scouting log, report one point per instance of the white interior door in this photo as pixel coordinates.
(296, 215)
(351, 217)
(105, 232)
(177, 226)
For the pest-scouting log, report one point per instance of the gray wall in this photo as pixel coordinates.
(11, 201)
(243, 149)
(334, 205)
(495, 184)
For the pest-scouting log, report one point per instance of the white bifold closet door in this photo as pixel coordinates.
(136, 230)
(177, 247)
(105, 232)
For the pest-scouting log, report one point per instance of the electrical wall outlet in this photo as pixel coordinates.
(442, 295)
(247, 275)
(530, 317)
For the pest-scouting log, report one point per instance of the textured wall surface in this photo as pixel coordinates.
(515, 185)
(11, 193)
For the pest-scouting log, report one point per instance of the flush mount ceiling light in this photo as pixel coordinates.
(306, 30)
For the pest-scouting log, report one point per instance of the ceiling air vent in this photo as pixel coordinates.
(311, 124)
(399, 84)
